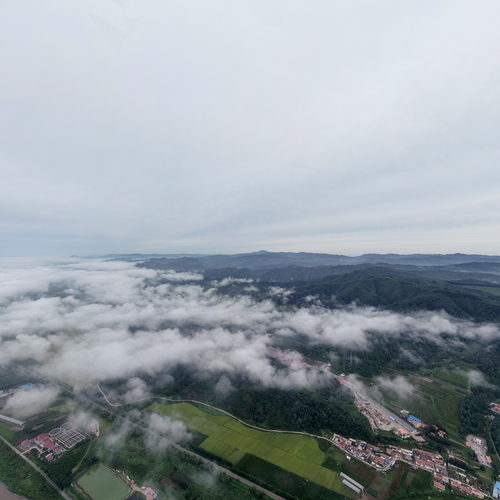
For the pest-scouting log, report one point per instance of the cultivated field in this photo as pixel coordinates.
(232, 441)
(100, 483)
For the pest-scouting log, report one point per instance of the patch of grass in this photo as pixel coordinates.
(415, 484)
(210, 411)
(100, 483)
(454, 376)
(6, 432)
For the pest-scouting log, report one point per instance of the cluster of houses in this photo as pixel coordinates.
(460, 482)
(443, 474)
(427, 460)
(45, 446)
(466, 489)
(368, 453)
(384, 459)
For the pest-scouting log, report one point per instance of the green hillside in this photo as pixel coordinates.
(400, 291)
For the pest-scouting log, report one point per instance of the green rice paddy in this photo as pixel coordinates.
(232, 441)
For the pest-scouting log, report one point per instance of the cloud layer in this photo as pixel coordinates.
(92, 321)
(27, 402)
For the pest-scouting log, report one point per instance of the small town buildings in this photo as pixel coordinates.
(439, 486)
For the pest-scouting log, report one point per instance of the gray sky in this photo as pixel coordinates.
(338, 126)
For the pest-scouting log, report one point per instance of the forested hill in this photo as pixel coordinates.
(465, 286)
(399, 291)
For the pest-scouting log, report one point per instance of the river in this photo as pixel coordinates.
(5, 494)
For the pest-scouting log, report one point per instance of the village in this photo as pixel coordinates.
(446, 474)
(404, 426)
(383, 459)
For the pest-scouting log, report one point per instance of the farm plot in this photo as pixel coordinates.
(231, 441)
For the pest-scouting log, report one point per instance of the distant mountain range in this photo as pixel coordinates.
(270, 260)
(466, 286)
(137, 256)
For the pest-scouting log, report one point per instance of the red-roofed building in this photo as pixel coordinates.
(424, 464)
(440, 477)
(49, 444)
(26, 443)
(50, 457)
(439, 486)
(425, 452)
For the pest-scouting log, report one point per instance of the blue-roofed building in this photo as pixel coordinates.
(496, 490)
(412, 418)
(29, 385)
(415, 421)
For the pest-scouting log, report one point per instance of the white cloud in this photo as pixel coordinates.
(178, 276)
(162, 431)
(230, 281)
(224, 386)
(117, 436)
(27, 402)
(398, 385)
(137, 390)
(476, 378)
(111, 320)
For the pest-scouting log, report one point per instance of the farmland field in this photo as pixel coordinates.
(101, 484)
(232, 441)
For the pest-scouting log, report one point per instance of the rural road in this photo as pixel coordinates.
(40, 471)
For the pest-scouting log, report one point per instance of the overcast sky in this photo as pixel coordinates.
(204, 126)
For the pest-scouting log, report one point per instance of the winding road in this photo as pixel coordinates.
(246, 424)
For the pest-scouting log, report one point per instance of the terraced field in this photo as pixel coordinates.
(232, 441)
